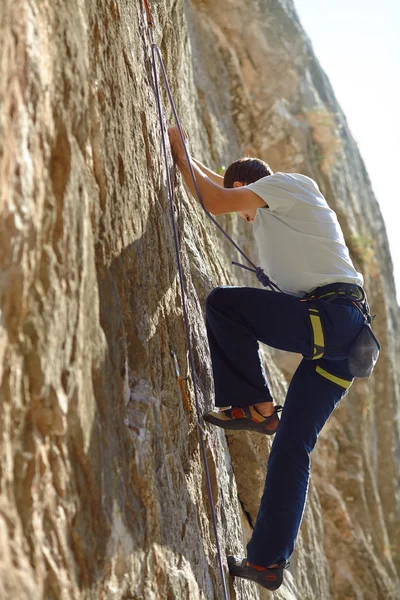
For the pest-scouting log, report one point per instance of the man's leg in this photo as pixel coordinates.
(314, 391)
(237, 318)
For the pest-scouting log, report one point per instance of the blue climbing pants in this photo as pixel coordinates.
(237, 318)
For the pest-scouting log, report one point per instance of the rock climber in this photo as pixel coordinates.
(318, 315)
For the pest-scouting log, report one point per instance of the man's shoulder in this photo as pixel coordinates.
(288, 181)
(297, 178)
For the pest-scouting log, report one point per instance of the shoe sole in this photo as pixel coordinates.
(259, 577)
(241, 425)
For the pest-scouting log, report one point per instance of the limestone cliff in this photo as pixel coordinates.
(102, 491)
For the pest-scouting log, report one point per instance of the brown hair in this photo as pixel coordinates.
(246, 170)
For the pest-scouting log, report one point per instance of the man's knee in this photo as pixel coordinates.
(289, 456)
(297, 435)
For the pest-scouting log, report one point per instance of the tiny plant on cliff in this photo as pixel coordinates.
(325, 137)
(361, 248)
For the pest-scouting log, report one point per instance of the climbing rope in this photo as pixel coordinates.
(261, 276)
(258, 271)
(155, 51)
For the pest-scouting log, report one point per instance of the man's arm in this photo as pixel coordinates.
(216, 199)
(218, 179)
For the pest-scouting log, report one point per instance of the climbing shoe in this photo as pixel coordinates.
(246, 418)
(270, 579)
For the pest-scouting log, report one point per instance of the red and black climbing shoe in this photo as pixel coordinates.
(246, 418)
(270, 579)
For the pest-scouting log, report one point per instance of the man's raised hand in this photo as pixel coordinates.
(177, 148)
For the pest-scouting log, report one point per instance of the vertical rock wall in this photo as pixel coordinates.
(102, 490)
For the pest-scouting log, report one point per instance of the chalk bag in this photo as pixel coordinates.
(364, 353)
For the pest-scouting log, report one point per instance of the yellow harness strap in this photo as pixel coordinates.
(319, 348)
(344, 383)
(318, 333)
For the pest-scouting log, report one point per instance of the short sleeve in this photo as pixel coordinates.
(277, 190)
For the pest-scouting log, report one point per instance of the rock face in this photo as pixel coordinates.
(103, 494)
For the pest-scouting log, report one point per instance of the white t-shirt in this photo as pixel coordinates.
(300, 242)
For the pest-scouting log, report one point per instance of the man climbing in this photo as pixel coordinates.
(318, 314)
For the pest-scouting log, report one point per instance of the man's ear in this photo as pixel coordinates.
(237, 184)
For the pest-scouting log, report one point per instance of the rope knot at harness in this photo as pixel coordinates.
(263, 277)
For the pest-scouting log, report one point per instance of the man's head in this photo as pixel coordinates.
(242, 172)
(246, 170)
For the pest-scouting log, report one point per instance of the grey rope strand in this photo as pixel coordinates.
(185, 314)
(176, 117)
(261, 276)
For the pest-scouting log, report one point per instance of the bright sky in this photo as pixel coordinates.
(357, 43)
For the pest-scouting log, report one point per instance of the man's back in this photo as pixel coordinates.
(300, 242)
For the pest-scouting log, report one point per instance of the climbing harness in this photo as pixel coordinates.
(155, 52)
(329, 293)
(365, 349)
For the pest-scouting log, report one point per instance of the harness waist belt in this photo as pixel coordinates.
(332, 291)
